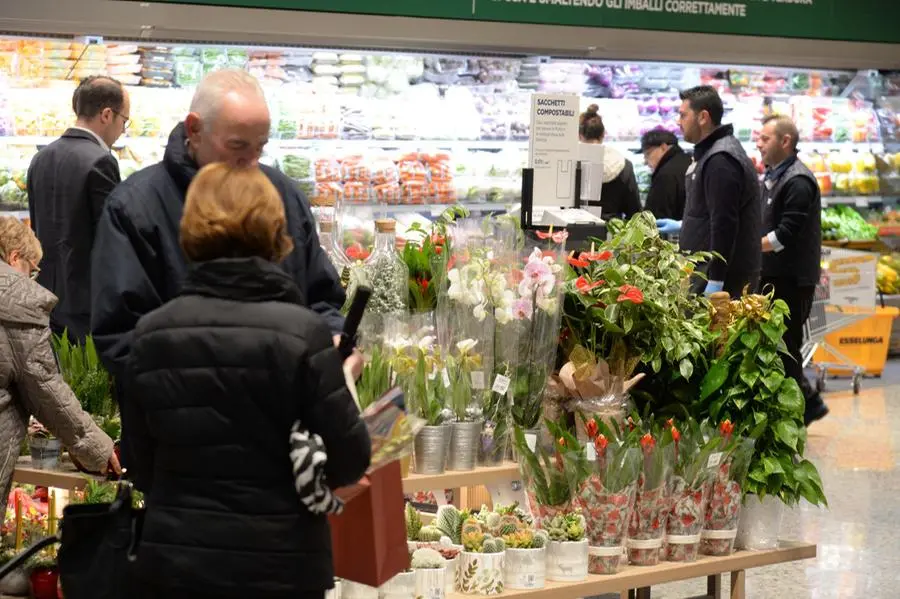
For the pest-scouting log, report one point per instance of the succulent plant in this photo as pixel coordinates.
(565, 527)
(449, 521)
(413, 523)
(472, 535)
(520, 539)
(493, 545)
(427, 559)
(541, 539)
(508, 525)
(429, 534)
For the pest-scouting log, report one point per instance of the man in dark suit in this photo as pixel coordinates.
(791, 241)
(669, 164)
(68, 183)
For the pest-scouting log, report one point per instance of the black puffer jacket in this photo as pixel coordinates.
(223, 516)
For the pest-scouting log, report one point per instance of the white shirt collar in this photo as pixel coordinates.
(97, 137)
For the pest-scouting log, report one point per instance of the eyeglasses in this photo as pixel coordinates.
(34, 272)
(126, 121)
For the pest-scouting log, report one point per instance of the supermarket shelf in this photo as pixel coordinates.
(433, 209)
(507, 471)
(635, 577)
(67, 477)
(20, 214)
(858, 201)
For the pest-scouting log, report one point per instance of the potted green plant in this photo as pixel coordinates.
(430, 573)
(482, 561)
(426, 393)
(45, 449)
(43, 574)
(526, 553)
(567, 552)
(465, 430)
(747, 385)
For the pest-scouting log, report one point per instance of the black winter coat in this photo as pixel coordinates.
(68, 183)
(667, 189)
(223, 517)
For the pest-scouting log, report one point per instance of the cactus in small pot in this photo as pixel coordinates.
(429, 534)
(480, 569)
(450, 521)
(568, 551)
(526, 559)
(413, 523)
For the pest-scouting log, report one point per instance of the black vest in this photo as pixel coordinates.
(744, 264)
(801, 259)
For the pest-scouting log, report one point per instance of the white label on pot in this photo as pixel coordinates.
(714, 460)
(445, 376)
(478, 380)
(591, 452)
(531, 441)
(501, 384)
(436, 593)
(530, 580)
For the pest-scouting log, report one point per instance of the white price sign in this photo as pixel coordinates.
(501, 384)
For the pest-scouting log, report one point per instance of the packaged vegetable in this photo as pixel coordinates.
(388, 193)
(328, 170)
(356, 192)
(356, 170)
(415, 192)
(329, 191)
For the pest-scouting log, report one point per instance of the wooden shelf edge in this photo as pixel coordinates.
(68, 477)
(633, 577)
(507, 471)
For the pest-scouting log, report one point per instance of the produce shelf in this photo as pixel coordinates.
(858, 201)
(637, 577)
(453, 480)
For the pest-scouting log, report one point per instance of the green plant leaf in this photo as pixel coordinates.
(790, 398)
(686, 368)
(714, 379)
(771, 465)
(766, 355)
(750, 339)
(773, 381)
(772, 331)
(787, 432)
(740, 403)
(750, 377)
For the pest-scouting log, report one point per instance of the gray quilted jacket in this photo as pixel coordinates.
(30, 382)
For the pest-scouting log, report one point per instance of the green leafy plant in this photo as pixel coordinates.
(748, 385)
(97, 491)
(450, 521)
(565, 528)
(413, 523)
(427, 393)
(426, 254)
(89, 380)
(553, 475)
(375, 379)
(618, 453)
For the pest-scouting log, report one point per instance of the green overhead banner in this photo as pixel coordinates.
(845, 20)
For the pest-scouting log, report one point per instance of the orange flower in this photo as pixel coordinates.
(676, 435)
(597, 256)
(600, 444)
(630, 293)
(558, 237)
(438, 249)
(726, 428)
(592, 428)
(579, 262)
(585, 287)
(562, 442)
(648, 442)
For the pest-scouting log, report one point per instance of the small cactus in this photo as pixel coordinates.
(472, 536)
(413, 523)
(493, 545)
(427, 559)
(508, 525)
(540, 540)
(429, 534)
(449, 521)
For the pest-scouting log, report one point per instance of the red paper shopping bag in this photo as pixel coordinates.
(369, 538)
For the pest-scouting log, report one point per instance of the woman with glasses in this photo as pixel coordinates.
(30, 382)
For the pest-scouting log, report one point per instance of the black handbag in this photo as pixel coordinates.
(98, 543)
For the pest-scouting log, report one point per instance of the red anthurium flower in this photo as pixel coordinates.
(630, 293)
(726, 428)
(648, 442)
(597, 256)
(562, 442)
(584, 286)
(670, 422)
(438, 249)
(558, 237)
(579, 262)
(592, 428)
(437, 239)
(600, 444)
(451, 263)
(676, 435)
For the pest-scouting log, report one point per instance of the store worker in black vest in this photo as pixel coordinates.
(722, 207)
(669, 164)
(791, 242)
(68, 183)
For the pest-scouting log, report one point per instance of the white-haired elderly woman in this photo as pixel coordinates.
(30, 382)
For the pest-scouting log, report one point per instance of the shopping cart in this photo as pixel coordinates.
(827, 316)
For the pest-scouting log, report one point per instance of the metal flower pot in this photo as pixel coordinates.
(464, 440)
(493, 447)
(45, 453)
(431, 449)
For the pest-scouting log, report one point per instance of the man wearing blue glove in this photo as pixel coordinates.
(722, 210)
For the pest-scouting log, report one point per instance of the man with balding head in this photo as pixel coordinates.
(791, 241)
(138, 264)
(68, 183)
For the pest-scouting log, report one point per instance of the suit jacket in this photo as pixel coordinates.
(68, 183)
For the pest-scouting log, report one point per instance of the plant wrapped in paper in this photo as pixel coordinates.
(552, 475)
(426, 254)
(689, 491)
(606, 497)
(730, 463)
(628, 303)
(747, 384)
(647, 525)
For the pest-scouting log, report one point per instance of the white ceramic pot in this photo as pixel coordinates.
(431, 583)
(480, 573)
(354, 590)
(760, 523)
(525, 568)
(334, 593)
(401, 586)
(567, 562)
(15, 583)
(450, 574)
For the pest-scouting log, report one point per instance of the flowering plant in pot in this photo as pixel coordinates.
(426, 395)
(43, 574)
(628, 305)
(482, 562)
(567, 552)
(430, 571)
(647, 525)
(747, 384)
(45, 449)
(426, 253)
(607, 495)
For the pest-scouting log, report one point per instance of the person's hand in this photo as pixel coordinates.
(668, 226)
(713, 287)
(766, 244)
(355, 360)
(113, 465)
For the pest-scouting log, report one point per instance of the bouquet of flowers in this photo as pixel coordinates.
(647, 524)
(689, 492)
(731, 462)
(606, 496)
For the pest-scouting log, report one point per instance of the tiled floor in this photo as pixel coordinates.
(856, 449)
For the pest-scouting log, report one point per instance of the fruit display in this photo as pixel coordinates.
(887, 276)
(844, 223)
(845, 172)
(13, 194)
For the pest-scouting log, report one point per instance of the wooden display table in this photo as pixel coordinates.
(643, 578)
(65, 477)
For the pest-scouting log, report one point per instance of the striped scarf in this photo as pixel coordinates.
(309, 458)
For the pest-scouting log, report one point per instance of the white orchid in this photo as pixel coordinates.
(548, 304)
(503, 315)
(480, 312)
(426, 343)
(466, 345)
